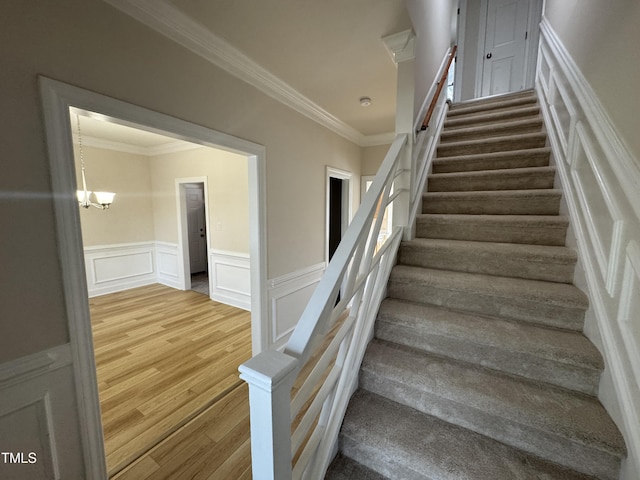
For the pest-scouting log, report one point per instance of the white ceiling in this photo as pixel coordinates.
(329, 51)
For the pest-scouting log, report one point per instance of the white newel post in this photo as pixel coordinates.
(401, 46)
(270, 376)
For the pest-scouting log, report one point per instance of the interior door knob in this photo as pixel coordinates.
(489, 55)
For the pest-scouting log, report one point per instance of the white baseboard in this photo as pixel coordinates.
(288, 296)
(230, 278)
(599, 178)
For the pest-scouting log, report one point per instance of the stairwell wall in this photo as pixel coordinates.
(600, 177)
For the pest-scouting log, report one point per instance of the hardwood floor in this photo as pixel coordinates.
(170, 394)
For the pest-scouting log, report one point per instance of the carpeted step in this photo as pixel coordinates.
(344, 468)
(525, 229)
(492, 105)
(491, 145)
(565, 427)
(474, 132)
(518, 113)
(508, 179)
(402, 443)
(535, 262)
(561, 357)
(533, 157)
(538, 302)
(500, 202)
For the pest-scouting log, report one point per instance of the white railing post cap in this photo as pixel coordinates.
(268, 369)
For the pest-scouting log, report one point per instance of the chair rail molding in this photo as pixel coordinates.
(600, 179)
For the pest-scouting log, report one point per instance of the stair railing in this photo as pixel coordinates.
(298, 398)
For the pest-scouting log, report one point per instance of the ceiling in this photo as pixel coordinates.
(330, 52)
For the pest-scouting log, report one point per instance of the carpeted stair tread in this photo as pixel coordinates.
(526, 229)
(566, 427)
(490, 145)
(493, 202)
(529, 178)
(532, 157)
(496, 105)
(535, 262)
(485, 118)
(470, 132)
(546, 303)
(344, 468)
(561, 357)
(402, 443)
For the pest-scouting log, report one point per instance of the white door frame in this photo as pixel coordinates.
(531, 48)
(347, 202)
(184, 266)
(57, 98)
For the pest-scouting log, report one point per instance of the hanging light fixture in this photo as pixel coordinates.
(103, 199)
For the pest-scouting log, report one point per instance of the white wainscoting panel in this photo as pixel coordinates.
(600, 179)
(38, 418)
(167, 269)
(288, 296)
(230, 278)
(112, 268)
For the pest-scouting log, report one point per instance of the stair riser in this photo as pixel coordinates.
(458, 135)
(520, 159)
(525, 181)
(514, 307)
(556, 373)
(541, 443)
(477, 261)
(490, 146)
(489, 231)
(487, 205)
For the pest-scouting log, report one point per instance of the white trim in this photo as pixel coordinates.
(26, 368)
(57, 98)
(605, 222)
(163, 17)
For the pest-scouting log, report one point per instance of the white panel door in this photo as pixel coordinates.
(196, 227)
(505, 42)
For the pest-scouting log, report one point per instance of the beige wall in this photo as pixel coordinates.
(227, 183)
(432, 24)
(602, 37)
(372, 158)
(89, 44)
(130, 218)
(145, 208)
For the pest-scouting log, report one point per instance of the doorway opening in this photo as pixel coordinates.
(193, 212)
(57, 99)
(338, 209)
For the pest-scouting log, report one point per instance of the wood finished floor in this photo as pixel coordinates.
(172, 403)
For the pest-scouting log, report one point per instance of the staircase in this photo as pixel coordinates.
(479, 369)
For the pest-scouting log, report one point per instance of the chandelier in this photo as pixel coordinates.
(103, 199)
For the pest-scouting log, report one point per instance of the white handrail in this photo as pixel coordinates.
(331, 337)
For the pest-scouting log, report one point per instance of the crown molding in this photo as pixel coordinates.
(170, 147)
(169, 21)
